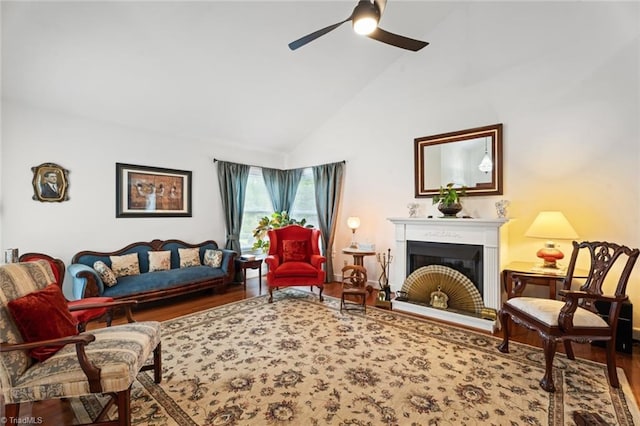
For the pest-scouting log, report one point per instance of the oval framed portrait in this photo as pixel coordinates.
(50, 183)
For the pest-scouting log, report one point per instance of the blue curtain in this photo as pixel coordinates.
(282, 186)
(327, 180)
(232, 178)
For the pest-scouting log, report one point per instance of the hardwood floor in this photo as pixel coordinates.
(58, 412)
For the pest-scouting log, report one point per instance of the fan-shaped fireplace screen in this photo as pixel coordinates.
(463, 295)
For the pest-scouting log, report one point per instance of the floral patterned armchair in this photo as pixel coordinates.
(43, 355)
(294, 258)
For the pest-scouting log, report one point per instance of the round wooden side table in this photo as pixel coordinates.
(358, 255)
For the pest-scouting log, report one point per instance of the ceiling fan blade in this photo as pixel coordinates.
(314, 35)
(397, 40)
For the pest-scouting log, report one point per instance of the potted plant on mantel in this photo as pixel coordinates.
(448, 199)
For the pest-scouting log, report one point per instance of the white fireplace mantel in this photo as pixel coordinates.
(489, 233)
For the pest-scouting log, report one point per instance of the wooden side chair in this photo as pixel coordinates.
(41, 360)
(575, 318)
(354, 287)
(83, 310)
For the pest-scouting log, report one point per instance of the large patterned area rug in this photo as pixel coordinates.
(301, 362)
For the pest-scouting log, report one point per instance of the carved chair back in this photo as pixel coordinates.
(603, 256)
(354, 277)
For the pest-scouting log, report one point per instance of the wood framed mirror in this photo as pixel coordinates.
(469, 158)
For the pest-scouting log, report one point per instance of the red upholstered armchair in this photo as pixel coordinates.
(82, 310)
(294, 258)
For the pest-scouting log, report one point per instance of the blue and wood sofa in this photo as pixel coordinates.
(163, 269)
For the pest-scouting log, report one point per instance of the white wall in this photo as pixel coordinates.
(562, 77)
(89, 150)
(564, 80)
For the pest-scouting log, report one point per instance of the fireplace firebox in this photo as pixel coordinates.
(464, 258)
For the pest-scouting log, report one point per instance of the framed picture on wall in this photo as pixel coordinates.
(50, 183)
(143, 191)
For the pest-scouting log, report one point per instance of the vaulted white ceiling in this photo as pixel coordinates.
(205, 70)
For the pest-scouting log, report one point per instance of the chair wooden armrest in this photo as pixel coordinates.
(579, 294)
(80, 339)
(573, 299)
(91, 371)
(114, 304)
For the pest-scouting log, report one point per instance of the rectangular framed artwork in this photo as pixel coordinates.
(143, 191)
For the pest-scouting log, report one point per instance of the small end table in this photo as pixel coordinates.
(358, 255)
(530, 273)
(245, 264)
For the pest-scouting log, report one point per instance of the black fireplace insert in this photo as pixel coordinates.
(464, 258)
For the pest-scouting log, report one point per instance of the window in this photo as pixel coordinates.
(257, 204)
(304, 206)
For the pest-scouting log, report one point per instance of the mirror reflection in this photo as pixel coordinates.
(471, 158)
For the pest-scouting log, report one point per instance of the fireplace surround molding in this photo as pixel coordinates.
(491, 234)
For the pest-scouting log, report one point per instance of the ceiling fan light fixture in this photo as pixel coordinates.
(365, 17)
(364, 26)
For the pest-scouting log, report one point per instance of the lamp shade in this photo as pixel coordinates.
(552, 225)
(353, 222)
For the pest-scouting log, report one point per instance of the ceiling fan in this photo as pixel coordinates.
(365, 18)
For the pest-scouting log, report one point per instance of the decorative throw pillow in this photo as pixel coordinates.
(125, 265)
(189, 257)
(294, 251)
(159, 260)
(43, 315)
(106, 274)
(213, 258)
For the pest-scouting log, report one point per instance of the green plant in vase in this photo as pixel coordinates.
(276, 220)
(448, 199)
